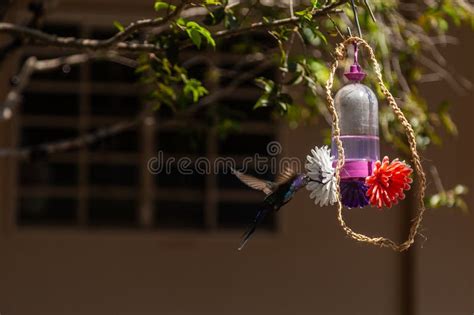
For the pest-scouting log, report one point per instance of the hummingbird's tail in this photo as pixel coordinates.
(248, 234)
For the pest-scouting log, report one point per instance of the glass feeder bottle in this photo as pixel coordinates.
(357, 108)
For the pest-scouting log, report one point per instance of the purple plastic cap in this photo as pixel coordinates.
(355, 71)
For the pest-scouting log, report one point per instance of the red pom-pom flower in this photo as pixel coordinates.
(387, 182)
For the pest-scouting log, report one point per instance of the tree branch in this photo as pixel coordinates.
(49, 148)
(331, 8)
(118, 42)
(37, 9)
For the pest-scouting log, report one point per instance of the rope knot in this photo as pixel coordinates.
(340, 53)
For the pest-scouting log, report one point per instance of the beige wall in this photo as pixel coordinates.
(445, 264)
(310, 268)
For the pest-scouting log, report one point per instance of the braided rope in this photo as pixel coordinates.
(340, 54)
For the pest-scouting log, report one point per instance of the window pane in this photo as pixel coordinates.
(179, 215)
(40, 135)
(67, 73)
(47, 211)
(48, 174)
(189, 141)
(112, 213)
(106, 71)
(243, 110)
(61, 29)
(115, 105)
(174, 178)
(104, 174)
(198, 71)
(54, 104)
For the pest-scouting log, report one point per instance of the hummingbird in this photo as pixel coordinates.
(277, 193)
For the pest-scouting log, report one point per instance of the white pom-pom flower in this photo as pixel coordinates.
(323, 184)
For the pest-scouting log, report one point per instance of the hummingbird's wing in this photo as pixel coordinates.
(287, 174)
(255, 183)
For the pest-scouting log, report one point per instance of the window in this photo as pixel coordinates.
(107, 185)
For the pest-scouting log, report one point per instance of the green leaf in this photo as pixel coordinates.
(181, 22)
(313, 35)
(318, 70)
(449, 198)
(445, 118)
(210, 40)
(460, 190)
(305, 15)
(159, 5)
(320, 35)
(119, 26)
(142, 68)
(195, 37)
(213, 2)
(283, 105)
(226, 126)
(267, 84)
(262, 102)
(196, 31)
(230, 21)
(194, 89)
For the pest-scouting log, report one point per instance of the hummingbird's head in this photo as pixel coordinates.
(300, 181)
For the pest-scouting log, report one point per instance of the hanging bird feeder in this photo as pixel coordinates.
(352, 175)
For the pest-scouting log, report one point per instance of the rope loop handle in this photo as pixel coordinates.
(339, 55)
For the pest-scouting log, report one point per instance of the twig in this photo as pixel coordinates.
(335, 26)
(258, 26)
(116, 41)
(367, 5)
(437, 179)
(459, 87)
(71, 144)
(356, 18)
(401, 78)
(292, 14)
(38, 10)
(20, 82)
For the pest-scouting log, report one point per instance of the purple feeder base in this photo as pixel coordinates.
(354, 193)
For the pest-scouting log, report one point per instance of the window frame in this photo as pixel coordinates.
(148, 188)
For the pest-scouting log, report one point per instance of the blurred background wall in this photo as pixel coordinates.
(308, 266)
